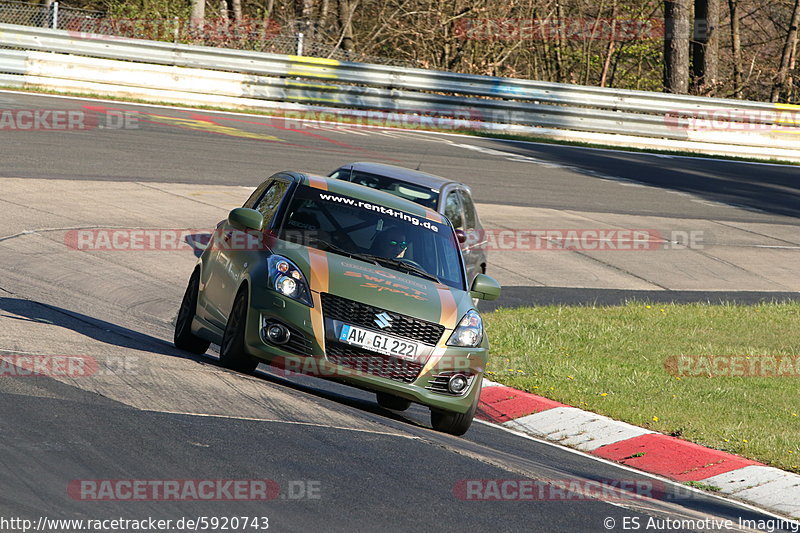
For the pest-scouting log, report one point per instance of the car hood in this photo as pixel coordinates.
(380, 287)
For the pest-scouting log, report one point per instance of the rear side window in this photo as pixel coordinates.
(470, 217)
(452, 210)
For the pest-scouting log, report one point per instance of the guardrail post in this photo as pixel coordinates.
(54, 15)
(299, 44)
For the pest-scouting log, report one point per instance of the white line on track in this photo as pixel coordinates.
(294, 423)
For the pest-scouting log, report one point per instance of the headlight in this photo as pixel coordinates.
(469, 332)
(287, 279)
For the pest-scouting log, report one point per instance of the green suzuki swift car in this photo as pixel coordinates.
(325, 277)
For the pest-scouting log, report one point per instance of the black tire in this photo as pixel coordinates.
(184, 339)
(455, 423)
(395, 403)
(232, 353)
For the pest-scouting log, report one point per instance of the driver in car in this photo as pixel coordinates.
(390, 243)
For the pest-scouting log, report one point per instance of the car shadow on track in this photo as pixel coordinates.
(100, 330)
(334, 391)
(116, 335)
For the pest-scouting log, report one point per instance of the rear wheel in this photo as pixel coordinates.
(184, 339)
(232, 353)
(455, 423)
(395, 403)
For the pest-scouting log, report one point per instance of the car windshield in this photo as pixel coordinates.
(374, 233)
(416, 193)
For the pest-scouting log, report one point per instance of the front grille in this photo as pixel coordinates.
(359, 314)
(384, 366)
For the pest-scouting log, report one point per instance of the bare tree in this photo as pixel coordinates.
(346, 10)
(611, 46)
(304, 14)
(705, 46)
(676, 46)
(236, 7)
(48, 14)
(198, 14)
(783, 80)
(736, 47)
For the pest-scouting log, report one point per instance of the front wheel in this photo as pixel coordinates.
(184, 339)
(232, 353)
(455, 423)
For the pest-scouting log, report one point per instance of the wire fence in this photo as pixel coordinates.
(261, 35)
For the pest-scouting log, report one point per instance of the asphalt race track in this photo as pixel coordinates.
(341, 462)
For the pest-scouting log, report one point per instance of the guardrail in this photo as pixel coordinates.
(71, 60)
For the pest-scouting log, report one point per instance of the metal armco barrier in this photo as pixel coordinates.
(70, 60)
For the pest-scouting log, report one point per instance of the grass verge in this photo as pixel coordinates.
(612, 361)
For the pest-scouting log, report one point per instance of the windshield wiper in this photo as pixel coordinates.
(408, 267)
(376, 259)
(347, 253)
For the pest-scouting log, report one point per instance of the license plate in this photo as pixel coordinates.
(378, 342)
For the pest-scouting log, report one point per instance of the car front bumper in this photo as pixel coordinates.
(421, 381)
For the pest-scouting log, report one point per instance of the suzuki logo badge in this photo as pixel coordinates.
(383, 320)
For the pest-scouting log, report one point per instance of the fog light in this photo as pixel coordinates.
(457, 384)
(277, 333)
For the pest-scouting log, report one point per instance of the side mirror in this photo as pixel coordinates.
(461, 236)
(243, 219)
(485, 288)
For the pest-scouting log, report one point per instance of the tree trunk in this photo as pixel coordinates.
(324, 7)
(237, 11)
(198, 14)
(46, 20)
(560, 74)
(736, 48)
(786, 58)
(346, 10)
(611, 46)
(705, 46)
(676, 46)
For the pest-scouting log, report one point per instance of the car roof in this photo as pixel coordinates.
(407, 175)
(368, 194)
